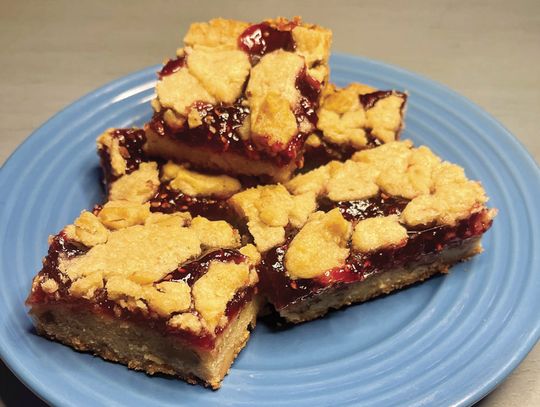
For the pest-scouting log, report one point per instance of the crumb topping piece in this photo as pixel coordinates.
(180, 90)
(121, 214)
(197, 184)
(215, 234)
(112, 146)
(269, 209)
(272, 94)
(377, 233)
(88, 230)
(313, 43)
(217, 287)
(137, 187)
(344, 120)
(453, 198)
(217, 33)
(338, 181)
(221, 72)
(319, 246)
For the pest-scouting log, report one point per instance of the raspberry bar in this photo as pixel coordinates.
(347, 232)
(141, 281)
(166, 186)
(354, 118)
(241, 98)
(162, 293)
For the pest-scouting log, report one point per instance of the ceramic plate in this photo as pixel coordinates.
(448, 341)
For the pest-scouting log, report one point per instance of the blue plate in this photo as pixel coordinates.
(448, 341)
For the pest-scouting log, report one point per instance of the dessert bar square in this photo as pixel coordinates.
(166, 186)
(354, 118)
(350, 231)
(146, 284)
(241, 98)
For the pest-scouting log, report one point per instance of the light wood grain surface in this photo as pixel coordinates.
(489, 51)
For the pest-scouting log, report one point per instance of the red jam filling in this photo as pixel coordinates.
(220, 123)
(172, 66)
(261, 39)
(421, 244)
(380, 205)
(131, 142)
(167, 200)
(189, 273)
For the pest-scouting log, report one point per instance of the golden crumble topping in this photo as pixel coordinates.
(121, 214)
(186, 321)
(351, 181)
(251, 253)
(338, 181)
(313, 43)
(439, 191)
(112, 145)
(453, 198)
(217, 33)
(215, 68)
(131, 262)
(138, 187)
(197, 184)
(221, 72)
(344, 120)
(272, 121)
(384, 118)
(89, 230)
(319, 246)
(213, 291)
(180, 90)
(269, 209)
(372, 234)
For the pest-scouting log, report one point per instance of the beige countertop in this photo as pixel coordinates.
(489, 51)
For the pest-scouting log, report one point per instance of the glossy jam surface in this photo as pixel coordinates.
(172, 66)
(282, 291)
(100, 304)
(131, 142)
(167, 200)
(60, 246)
(260, 39)
(194, 270)
(219, 132)
(380, 205)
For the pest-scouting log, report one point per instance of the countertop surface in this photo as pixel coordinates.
(489, 51)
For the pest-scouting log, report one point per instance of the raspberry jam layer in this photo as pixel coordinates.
(191, 272)
(220, 127)
(167, 200)
(172, 66)
(282, 291)
(260, 39)
(131, 142)
(61, 247)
